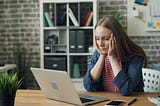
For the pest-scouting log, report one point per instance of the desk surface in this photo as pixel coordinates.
(37, 98)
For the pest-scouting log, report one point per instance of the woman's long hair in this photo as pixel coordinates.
(125, 47)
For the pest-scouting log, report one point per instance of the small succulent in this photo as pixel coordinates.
(8, 83)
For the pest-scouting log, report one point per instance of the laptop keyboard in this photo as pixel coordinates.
(88, 98)
(84, 100)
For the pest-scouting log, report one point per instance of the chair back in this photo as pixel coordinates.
(151, 80)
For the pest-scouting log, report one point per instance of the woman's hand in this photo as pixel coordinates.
(112, 47)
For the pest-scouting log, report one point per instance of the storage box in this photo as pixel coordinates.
(56, 63)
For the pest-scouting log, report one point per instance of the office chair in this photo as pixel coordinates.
(151, 80)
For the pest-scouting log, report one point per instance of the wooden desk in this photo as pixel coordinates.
(37, 98)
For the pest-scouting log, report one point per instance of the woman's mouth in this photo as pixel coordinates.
(103, 49)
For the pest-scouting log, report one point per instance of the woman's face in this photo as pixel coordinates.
(102, 36)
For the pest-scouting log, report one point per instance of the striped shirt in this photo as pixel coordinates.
(108, 77)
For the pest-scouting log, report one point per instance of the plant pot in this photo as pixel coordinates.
(7, 100)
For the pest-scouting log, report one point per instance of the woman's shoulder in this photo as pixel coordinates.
(136, 58)
(96, 53)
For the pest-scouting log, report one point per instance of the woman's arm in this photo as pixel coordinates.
(130, 77)
(115, 65)
(97, 69)
(92, 80)
(112, 56)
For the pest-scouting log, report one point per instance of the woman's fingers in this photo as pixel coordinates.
(112, 42)
(111, 45)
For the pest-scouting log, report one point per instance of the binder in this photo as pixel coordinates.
(72, 41)
(73, 18)
(80, 41)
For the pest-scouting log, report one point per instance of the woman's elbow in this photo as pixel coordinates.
(125, 93)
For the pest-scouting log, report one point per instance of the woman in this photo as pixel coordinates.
(116, 65)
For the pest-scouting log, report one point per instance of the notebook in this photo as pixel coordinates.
(57, 85)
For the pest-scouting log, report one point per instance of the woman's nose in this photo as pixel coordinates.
(101, 43)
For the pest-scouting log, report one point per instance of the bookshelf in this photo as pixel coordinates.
(66, 28)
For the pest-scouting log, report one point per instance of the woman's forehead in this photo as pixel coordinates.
(100, 30)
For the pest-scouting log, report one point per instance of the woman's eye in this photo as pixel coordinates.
(96, 38)
(106, 39)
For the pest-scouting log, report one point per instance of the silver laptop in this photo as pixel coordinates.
(57, 85)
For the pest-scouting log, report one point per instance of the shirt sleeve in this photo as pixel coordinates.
(129, 77)
(90, 84)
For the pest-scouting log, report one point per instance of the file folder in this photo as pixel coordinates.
(80, 41)
(72, 41)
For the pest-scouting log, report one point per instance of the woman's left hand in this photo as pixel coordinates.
(112, 47)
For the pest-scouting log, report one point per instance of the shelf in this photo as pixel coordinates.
(67, 35)
(83, 27)
(59, 45)
(80, 54)
(70, 27)
(51, 28)
(153, 29)
(55, 54)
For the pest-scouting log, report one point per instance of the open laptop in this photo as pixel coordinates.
(58, 86)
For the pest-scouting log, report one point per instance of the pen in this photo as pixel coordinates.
(132, 101)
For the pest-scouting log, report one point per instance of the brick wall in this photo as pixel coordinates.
(151, 46)
(19, 22)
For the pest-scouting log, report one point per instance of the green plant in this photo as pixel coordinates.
(118, 17)
(9, 83)
(21, 58)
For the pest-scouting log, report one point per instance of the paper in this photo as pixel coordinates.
(153, 100)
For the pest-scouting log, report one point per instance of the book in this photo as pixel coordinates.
(73, 18)
(61, 19)
(48, 19)
(86, 18)
(89, 19)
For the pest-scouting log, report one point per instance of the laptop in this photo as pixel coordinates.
(57, 85)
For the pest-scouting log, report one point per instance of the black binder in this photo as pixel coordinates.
(80, 41)
(72, 41)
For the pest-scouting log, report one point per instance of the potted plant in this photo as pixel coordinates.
(21, 56)
(9, 84)
(22, 59)
(118, 17)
